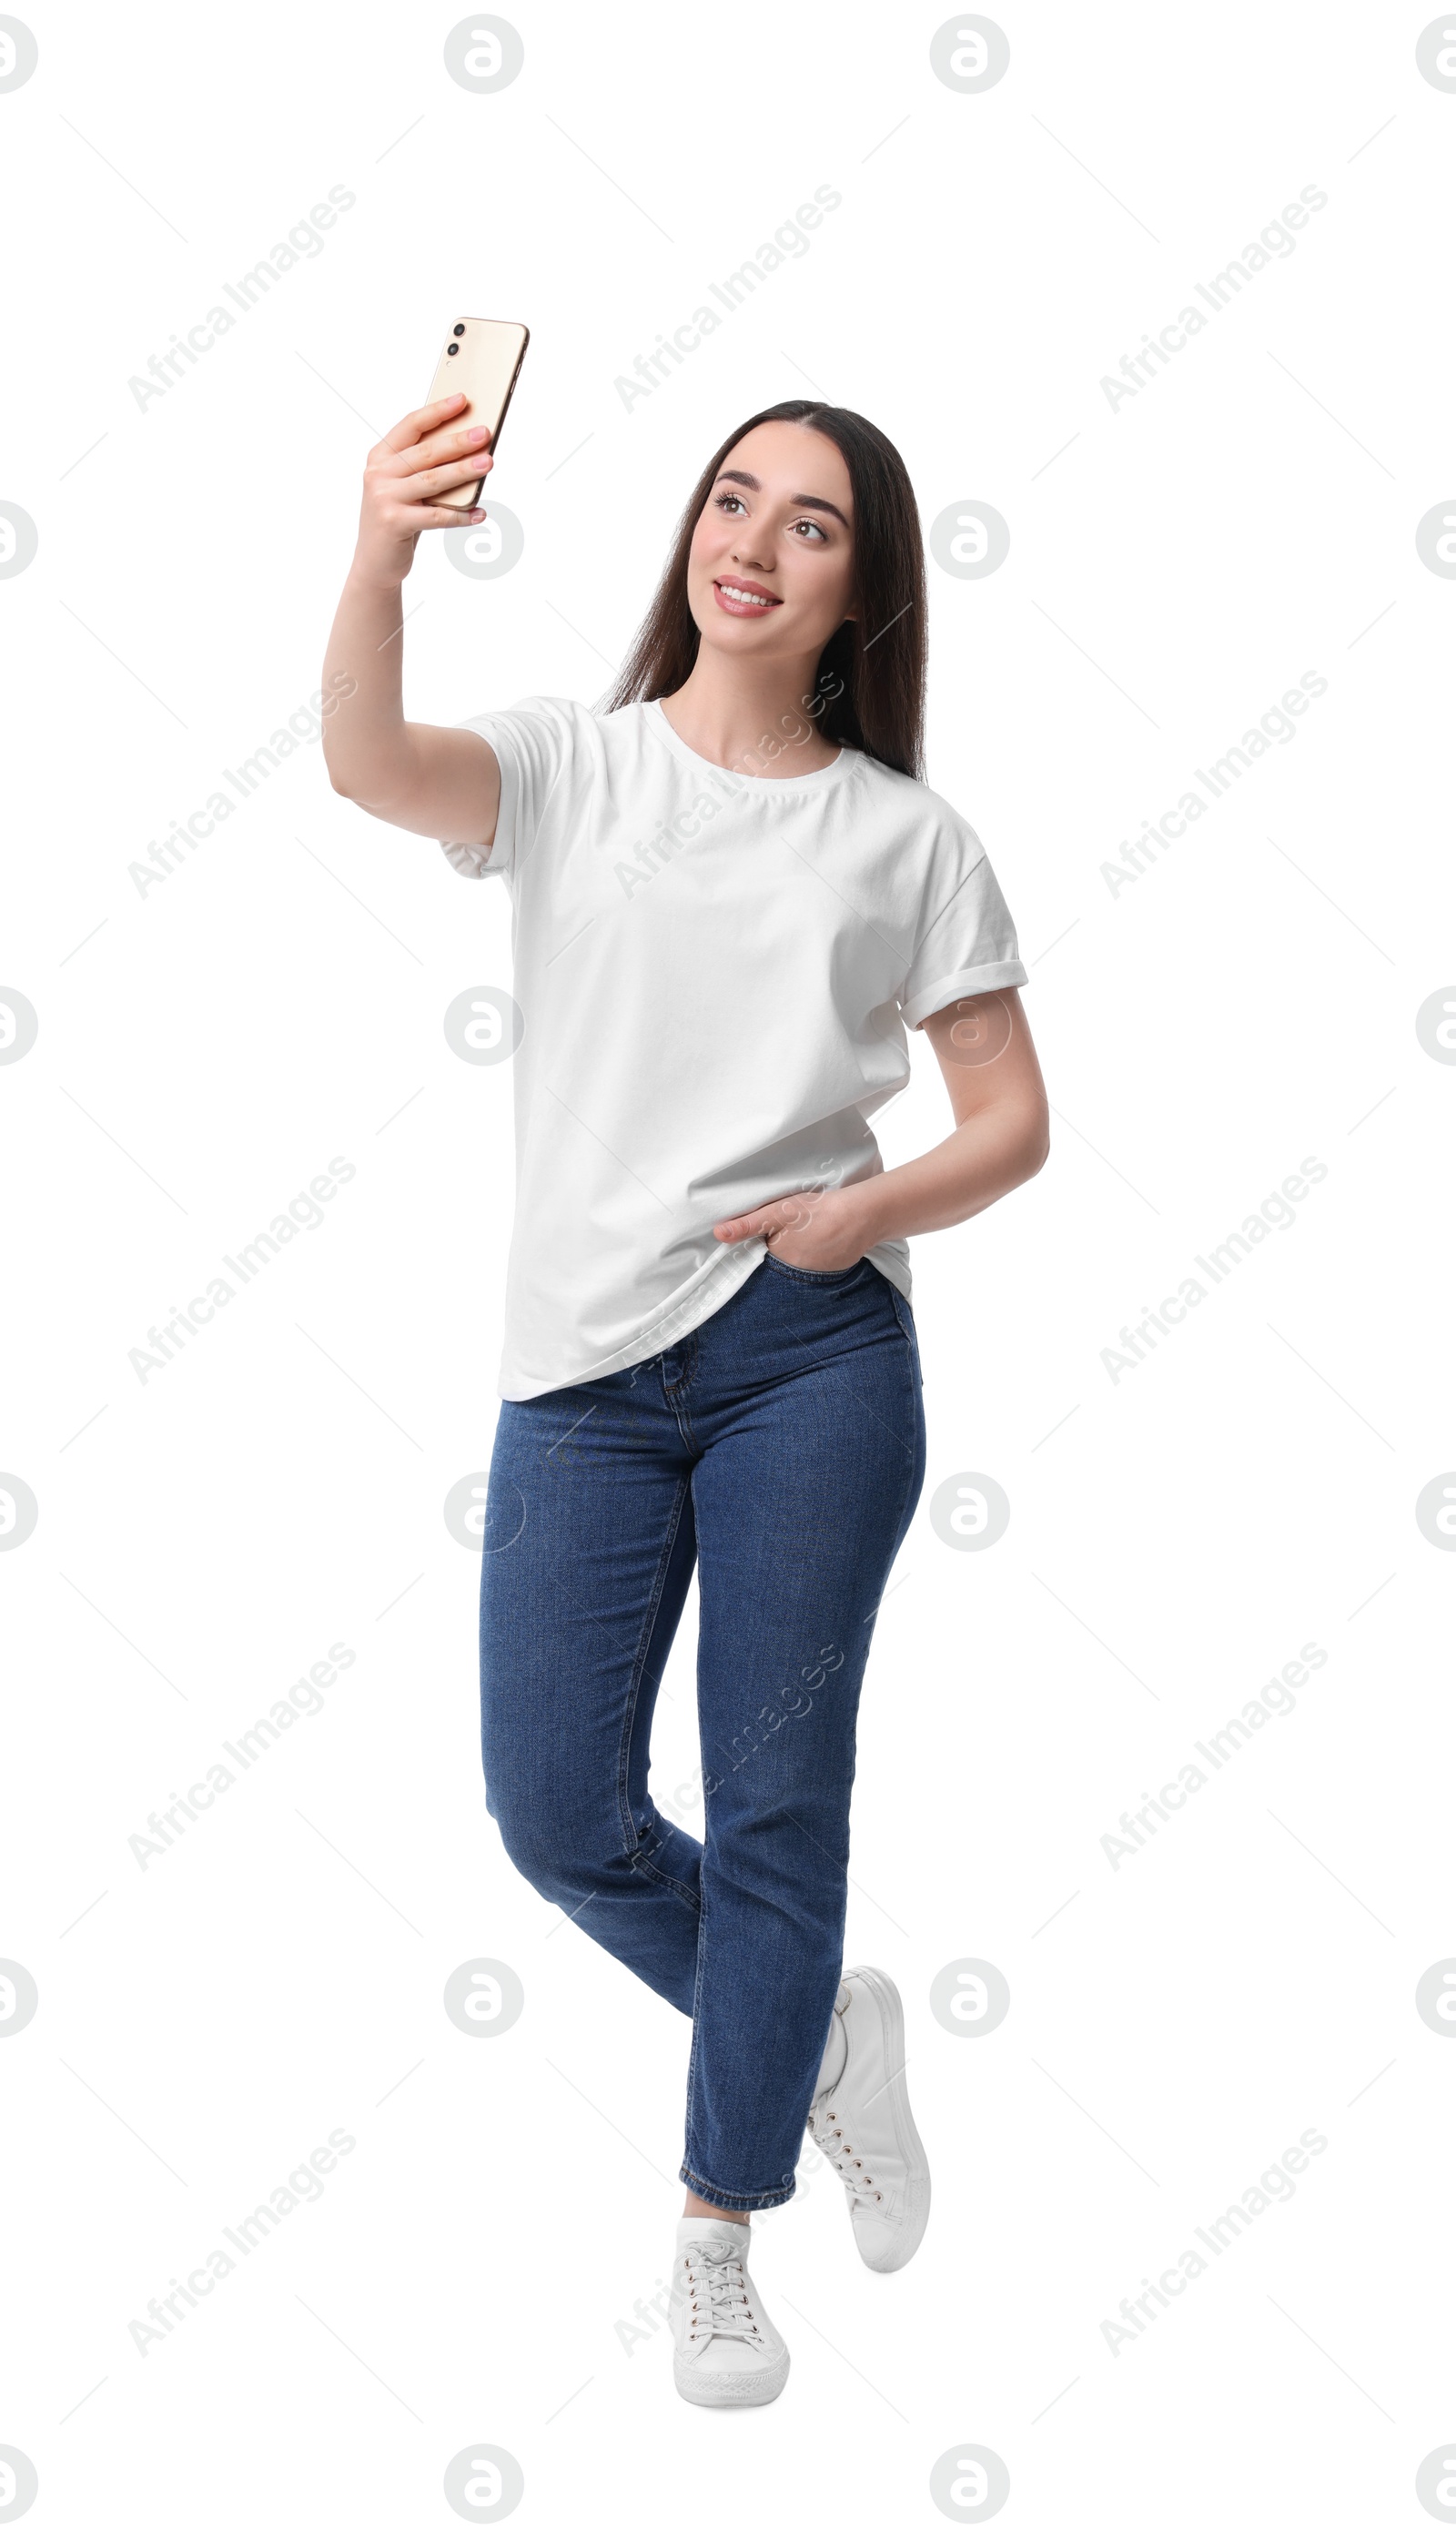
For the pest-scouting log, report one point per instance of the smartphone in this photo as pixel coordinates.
(482, 357)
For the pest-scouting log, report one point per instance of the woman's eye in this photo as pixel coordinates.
(735, 500)
(812, 525)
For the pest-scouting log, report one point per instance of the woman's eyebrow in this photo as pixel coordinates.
(804, 502)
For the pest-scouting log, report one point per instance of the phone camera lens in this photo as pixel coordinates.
(460, 330)
(451, 348)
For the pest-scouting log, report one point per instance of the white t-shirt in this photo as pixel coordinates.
(714, 973)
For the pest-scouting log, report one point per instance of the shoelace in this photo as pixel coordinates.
(828, 2133)
(718, 2295)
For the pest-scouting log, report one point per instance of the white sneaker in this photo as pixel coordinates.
(861, 2120)
(726, 2351)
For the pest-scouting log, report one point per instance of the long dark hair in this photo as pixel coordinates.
(873, 669)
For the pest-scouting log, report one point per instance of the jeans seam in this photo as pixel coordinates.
(689, 2175)
(702, 1960)
(675, 1395)
(916, 1418)
(724, 2197)
(904, 1319)
(629, 1713)
(660, 1878)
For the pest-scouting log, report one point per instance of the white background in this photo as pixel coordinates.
(205, 1049)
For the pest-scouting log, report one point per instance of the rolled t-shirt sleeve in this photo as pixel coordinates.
(968, 942)
(532, 741)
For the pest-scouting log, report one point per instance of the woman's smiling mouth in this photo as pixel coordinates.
(744, 598)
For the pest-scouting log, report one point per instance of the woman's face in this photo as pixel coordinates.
(770, 573)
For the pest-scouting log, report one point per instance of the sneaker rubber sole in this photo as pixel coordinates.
(917, 2206)
(705, 2388)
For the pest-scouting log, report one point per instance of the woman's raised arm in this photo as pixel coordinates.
(442, 781)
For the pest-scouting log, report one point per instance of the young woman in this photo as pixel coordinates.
(731, 894)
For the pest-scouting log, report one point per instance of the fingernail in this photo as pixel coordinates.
(476, 432)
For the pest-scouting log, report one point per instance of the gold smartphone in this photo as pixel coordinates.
(482, 357)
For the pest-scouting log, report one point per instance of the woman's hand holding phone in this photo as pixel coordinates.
(441, 783)
(427, 474)
(419, 460)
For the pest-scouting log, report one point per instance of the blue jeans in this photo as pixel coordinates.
(780, 1446)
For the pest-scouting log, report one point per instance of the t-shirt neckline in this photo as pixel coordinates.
(814, 776)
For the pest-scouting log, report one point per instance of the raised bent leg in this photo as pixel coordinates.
(588, 1552)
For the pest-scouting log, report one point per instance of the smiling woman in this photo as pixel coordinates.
(709, 1342)
(861, 573)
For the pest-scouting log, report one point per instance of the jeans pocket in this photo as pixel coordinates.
(818, 1277)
